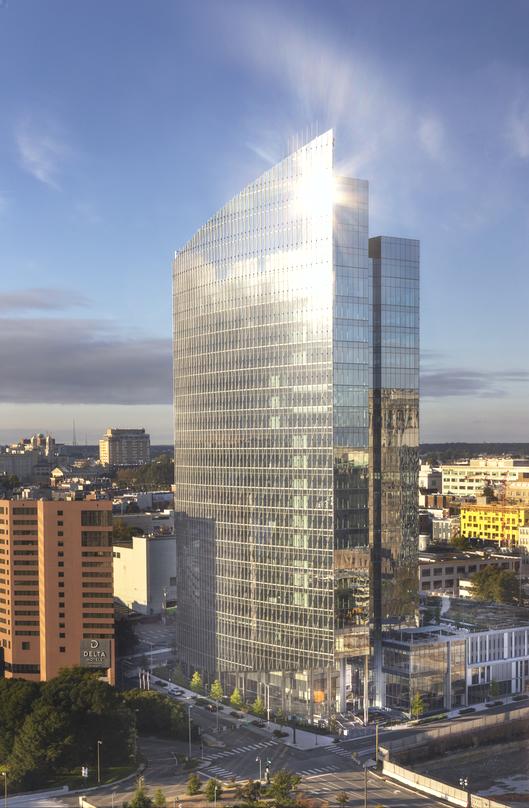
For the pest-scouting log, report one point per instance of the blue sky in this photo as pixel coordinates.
(125, 125)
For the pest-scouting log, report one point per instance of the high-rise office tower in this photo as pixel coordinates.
(296, 416)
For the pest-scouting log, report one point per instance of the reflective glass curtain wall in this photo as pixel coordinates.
(253, 387)
(394, 439)
(290, 342)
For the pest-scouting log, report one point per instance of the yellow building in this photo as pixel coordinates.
(497, 522)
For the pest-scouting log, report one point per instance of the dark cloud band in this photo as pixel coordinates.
(461, 382)
(80, 361)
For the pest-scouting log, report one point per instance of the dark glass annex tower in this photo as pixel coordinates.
(296, 415)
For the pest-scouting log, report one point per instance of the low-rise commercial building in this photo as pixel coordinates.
(517, 491)
(430, 478)
(125, 447)
(56, 604)
(477, 652)
(494, 522)
(442, 573)
(471, 476)
(445, 529)
(145, 573)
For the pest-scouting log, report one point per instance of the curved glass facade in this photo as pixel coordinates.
(273, 366)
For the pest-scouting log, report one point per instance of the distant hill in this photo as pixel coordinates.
(458, 451)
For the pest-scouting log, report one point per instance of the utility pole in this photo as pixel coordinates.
(376, 743)
(365, 786)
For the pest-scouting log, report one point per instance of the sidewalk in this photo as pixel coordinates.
(304, 739)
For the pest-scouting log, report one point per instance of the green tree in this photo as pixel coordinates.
(258, 707)
(489, 493)
(123, 533)
(461, 542)
(417, 706)
(16, 701)
(159, 800)
(157, 714)
(236, 699)
(282, 784)
(209, 790)
(250, 791)
(494, 690)
(194, 785)
(8, 482)
(196, 683)
(140, 799)
(157, 474)
(342, 798)
(495, 584)
(216, 692)
(281, 718)
(74, 711)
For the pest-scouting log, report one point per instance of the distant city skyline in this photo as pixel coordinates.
(107, 167)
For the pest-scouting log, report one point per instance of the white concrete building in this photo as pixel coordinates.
(125, 447)
(430, 478)
(145, 573)
(471, 476)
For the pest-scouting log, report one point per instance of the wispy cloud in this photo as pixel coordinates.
(462, 382)
(42, 150)
(518, 128)
(41, 299)
(432, 137)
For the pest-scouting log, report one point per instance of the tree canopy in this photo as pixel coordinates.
(156, 713)
(216, 692)
(495, 584)
(121, 532)
(16, 700)
(72, 712)
(236, 699)
(157, 474)
(196, 683)
(258, 707)
(282, 784)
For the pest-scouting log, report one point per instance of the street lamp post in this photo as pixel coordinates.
(365, 786)
(258, 760)
(215, 796)
(99, 745)
(267, 686)
(463, 782)
(4, 775)
(189, 728)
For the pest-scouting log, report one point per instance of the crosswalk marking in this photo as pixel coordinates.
(338, 750)
(323, 770)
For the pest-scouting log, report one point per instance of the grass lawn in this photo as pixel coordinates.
(109, 774)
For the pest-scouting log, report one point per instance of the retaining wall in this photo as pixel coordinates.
(436, 788)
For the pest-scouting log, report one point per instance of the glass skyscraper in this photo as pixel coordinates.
(296, 428)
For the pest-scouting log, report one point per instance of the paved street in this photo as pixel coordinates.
(324, 770)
